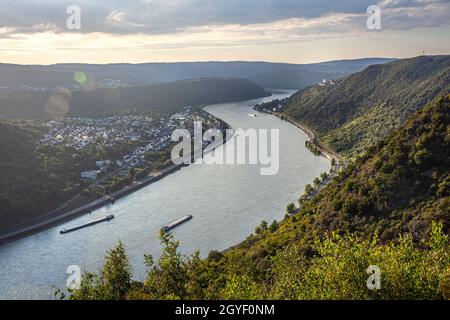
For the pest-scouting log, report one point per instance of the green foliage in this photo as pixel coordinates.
(113, 282)
(316, 183)
(273, 226)
(241, 287)
(291, 209)
(35, 179)
(168, 277)
(338, 270)
(215, 255)
(116, 273)
(362, 109)
(388, 189)
(309, 191)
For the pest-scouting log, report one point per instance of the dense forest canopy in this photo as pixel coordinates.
(358, 111)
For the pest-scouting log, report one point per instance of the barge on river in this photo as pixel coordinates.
(173, 225)
(85, 225)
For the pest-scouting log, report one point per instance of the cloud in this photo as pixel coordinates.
(224, 22)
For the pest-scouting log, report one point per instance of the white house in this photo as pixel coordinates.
(103, 163)
(90, 174)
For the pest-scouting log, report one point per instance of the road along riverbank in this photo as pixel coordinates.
(339, 161)
(60, 216)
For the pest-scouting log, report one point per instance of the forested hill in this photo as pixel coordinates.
(294, 79)
(399, 186)
(390, 209)
(169, 97)
(360, 110)
(27, 186)
(35, 178)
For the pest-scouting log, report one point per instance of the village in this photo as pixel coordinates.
(150, 135)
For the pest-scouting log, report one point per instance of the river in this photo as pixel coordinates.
(227, 202)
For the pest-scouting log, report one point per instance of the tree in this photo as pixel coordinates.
(198, 277)
(309, 190)
(241, 287)
(116, 273)
(215, 255)
(274, 226)
(291, 209)
(133, 173)
(264, 225)
(302, 200)
(167, 278)
(316, 183)
(339, 270)
(113, 282)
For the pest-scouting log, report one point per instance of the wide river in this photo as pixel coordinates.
(227, 202)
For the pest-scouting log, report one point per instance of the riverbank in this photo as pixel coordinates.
(339, 161)
(325, 151)
(57, 217)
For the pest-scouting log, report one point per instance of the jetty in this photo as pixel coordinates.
(88, 224)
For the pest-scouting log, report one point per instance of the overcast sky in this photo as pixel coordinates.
(298, 31)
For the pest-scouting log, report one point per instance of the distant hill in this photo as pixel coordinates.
(294, 79)
(14, 76)
(361, 109)
(164, 98)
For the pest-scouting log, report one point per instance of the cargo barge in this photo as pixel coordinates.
(169, 227)
(85, 225)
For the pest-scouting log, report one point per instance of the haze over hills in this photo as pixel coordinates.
(165, 98)
(14, 76)
(294, 79)
(356, 112)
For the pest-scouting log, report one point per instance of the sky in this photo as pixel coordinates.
(294, 31)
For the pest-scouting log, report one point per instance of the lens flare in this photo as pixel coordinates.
(80, 77)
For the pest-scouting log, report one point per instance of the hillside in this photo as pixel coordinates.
(385, 210)
(52, 76)
(360, 110)
(295, 79)
(163, 98)
(33, 179)
(399, 186)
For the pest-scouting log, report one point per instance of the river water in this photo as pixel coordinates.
(227, 202)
